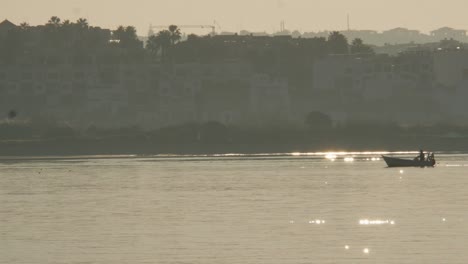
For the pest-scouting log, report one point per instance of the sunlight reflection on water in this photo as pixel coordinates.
(376, 222)
(234, 208)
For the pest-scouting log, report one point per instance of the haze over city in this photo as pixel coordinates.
(253, 15)
(233, 131)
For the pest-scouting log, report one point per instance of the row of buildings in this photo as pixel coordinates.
(392, 36)
(416, 87)
(145, 95)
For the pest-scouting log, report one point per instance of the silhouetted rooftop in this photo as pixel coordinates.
(7, 24)
(447, 29)
(400, 29)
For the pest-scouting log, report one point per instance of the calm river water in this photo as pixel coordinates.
(283, 208)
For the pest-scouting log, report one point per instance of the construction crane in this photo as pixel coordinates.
(213, 28)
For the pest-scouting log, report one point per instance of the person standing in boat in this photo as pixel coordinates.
(431, 158)
(421, 155)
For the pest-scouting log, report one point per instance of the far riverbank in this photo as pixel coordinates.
(140, 145)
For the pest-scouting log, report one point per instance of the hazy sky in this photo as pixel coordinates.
(254, 15)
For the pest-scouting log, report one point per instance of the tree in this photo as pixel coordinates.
(164, 41)
(52, 36)
(161, 42)
(131, 35)
(80, 33)
(152, 45)
(175, 34)
(24, 26)
(337, 43)
(54, 22)
(119, 33)
(82, 23)
(358, 47)
(127, 37)
(66, 23)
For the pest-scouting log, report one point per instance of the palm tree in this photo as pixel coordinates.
(53, 32)
(161, 42)
(54, 21)
(24, 26)
(65, 33)
(152, 45)
(175, 34)
(82, 23)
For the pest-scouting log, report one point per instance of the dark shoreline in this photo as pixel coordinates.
(145, 146)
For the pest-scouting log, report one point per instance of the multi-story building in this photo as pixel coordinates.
(451, 67)
(141, 94)
(451, 77)
(448, 33)
(379, 87)
(269, 100)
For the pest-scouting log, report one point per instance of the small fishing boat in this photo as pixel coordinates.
(399, 162)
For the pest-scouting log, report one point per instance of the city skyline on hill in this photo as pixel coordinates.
(256, 15)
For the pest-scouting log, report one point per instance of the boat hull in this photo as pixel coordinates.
(397, 162)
